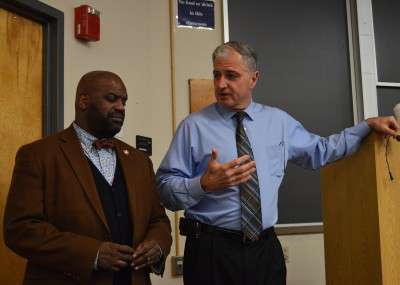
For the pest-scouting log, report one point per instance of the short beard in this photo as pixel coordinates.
(101, 126)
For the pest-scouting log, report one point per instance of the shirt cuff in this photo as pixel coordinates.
(95, 265)
(194, 188)
(158, 268)
(362, 129)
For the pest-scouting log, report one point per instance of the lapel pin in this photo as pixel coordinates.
(125, 151)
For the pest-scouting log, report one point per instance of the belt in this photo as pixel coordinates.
(193, 228)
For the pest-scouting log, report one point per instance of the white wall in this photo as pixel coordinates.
(306, 262)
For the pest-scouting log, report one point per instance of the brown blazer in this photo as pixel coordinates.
(54, 217)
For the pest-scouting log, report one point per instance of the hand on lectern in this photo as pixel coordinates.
(385, 125)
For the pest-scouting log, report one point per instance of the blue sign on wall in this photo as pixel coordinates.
(196, 13)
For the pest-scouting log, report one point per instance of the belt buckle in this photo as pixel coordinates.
(247, 240)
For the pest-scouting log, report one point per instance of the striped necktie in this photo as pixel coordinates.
(249, 190)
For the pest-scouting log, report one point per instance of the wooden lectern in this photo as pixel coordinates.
(361, 213)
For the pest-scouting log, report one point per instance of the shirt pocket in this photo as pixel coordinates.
(275, 159)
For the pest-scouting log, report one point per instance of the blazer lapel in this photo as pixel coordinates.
(73, 151)
(127, 163)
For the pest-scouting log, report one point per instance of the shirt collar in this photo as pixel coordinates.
(228, 114)
(84, 137)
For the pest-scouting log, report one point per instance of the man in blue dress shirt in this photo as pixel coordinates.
(203, 171)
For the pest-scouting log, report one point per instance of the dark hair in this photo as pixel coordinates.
(247, 52)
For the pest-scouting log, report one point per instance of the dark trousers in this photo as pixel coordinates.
(214, 259)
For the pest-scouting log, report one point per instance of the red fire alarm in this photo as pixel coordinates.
(87, 23)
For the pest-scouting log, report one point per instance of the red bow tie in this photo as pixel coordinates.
(104, 143)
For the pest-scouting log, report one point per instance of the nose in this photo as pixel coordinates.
(120, 106)
(220, 82)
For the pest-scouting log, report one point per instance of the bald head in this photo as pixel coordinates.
(91, 81)
(100, 103)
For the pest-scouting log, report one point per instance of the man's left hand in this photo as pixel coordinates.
(146, 254)
(385, 125)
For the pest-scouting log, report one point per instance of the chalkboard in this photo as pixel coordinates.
(387, 39)
(387, 44)
(304, 62)
(388, 97)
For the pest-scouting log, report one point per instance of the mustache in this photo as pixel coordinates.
(119, 115)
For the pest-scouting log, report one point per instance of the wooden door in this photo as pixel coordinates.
(21, 56)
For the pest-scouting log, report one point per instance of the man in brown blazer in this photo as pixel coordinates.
(82, 206)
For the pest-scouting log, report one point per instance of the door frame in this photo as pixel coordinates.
(52, 21)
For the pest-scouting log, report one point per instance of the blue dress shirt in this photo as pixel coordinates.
(275, 138)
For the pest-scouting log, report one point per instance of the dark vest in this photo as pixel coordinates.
(114, 200)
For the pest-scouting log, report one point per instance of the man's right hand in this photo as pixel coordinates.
(222, 175)
(113, 256)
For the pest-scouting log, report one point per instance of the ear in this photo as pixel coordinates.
(83, 102)
(254, 78)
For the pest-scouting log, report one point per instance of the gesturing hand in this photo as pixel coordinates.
(219, 176)
(147, 253)
(113, 256)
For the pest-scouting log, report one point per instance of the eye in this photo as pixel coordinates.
(216, 74)
(124, 99)
(111, 97)
(232, 76)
